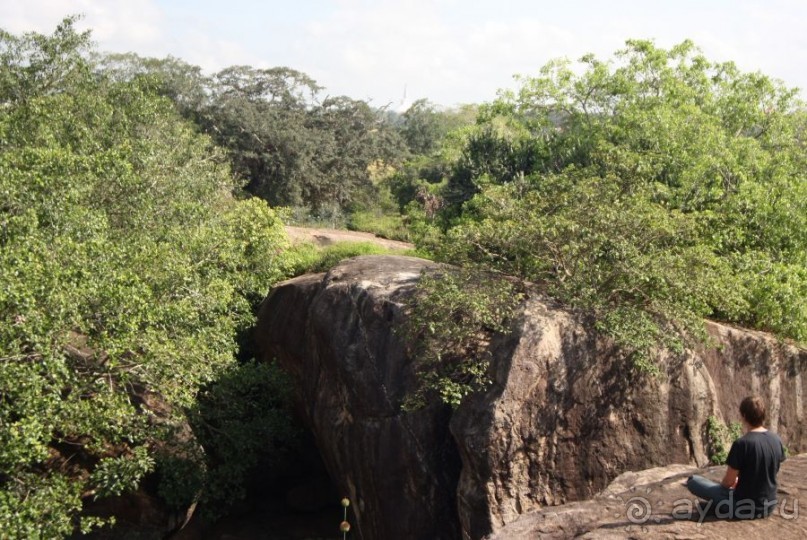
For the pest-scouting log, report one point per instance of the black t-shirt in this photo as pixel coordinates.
(757, 455)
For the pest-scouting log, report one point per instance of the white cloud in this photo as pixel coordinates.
(212, 54)
(125, 25)
(381, 48)
(449, 51)
(117, 24)
(36, 16)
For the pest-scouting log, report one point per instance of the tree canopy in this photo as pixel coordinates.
(651, 191)
(648, 192)
(125, 262)
(291, 146)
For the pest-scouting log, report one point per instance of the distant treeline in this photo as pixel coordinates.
(291, 145)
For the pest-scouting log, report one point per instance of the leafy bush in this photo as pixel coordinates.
(390, 226)
(125, 263)
(636, 267)
(242, 421)
(453, 317)
(720, 438)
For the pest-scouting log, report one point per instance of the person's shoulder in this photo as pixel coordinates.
(743, 440)
(771, 435)
(742, 444)
(751, 437)
(760, 436)
(776, 443)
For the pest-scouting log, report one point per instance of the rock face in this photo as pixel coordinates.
(335, 334)
(567, 415)
(655, 504)
(564, 417)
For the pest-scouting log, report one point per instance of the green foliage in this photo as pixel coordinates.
(382, 217)
(438, 139)
(421, 127)
(329, 216)
(52, 63)
(650, 192)
(242, 421)
(39, 507)
(635, 266)
(454, 317)
(390, 225)
(290, 147)
(306, 257)
(181, 475)
(113, 476)
(242, 424)
(777, 292)
(425, 128)
(720, 438)
(125, 263)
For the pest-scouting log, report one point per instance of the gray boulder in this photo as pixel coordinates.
(565, 416)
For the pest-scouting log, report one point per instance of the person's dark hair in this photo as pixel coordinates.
(753, 410)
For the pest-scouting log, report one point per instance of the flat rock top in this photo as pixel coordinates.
(380, 275)
(655, 504)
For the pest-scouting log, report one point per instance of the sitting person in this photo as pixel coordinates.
(748, 489)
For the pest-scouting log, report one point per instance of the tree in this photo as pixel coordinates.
(436, 139)
(125, 262)
(424, 127)
(650, 191)
(421, 127)
(259, 116)
(52, 63)
(289, 146)
(353, 139)
(183, 83)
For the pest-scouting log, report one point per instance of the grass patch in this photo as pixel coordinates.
(390, 226)
(307, 257)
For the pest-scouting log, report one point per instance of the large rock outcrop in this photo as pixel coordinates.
(564, 417)
(567, 414)
(335, 334)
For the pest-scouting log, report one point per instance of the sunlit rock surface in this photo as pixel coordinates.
(654, 504)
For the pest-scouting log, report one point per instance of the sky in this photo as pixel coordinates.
(447, 51)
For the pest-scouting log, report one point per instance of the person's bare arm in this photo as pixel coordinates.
(730, 479)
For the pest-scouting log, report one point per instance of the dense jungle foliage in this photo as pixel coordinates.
(651, 192)
(327, 160)
(126, 266)
(141, 209)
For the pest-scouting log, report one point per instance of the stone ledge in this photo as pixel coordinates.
(621, 510)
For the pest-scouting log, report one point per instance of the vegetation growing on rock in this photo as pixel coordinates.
(651, 191)
(455, 315)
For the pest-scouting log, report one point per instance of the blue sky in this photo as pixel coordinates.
(448, 51)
